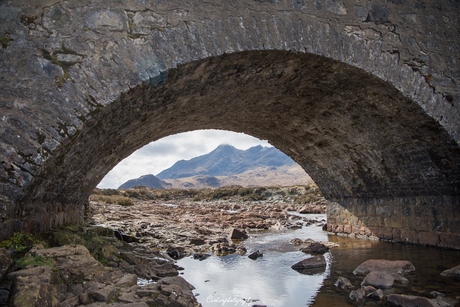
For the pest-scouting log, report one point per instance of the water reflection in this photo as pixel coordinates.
(269, 280)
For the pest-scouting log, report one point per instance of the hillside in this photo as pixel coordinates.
(149, 181)
(286, 175)
(227, 160)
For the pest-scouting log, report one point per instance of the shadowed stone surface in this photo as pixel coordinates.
(362, 96)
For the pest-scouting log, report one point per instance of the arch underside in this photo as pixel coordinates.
(354, 134)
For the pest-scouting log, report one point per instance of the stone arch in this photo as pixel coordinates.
(89, 68)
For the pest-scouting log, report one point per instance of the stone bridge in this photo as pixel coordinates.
(363, 95)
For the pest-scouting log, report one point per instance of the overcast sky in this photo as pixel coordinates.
(162, 154)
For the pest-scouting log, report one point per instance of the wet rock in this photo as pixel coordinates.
(396, 266)
(236, 234)
(379, 279)
(201, 257)
(255, 255)
(310, 265)
(197, 242)
(375, 295)
(452, 273)
(343, 283)
(401, 300)
(315, 248)
(176, 252)
(241, 250)
(223, 248)
(120, 235)
(358, 295)
(296, 241)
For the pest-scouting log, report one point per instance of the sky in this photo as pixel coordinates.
(162, 154)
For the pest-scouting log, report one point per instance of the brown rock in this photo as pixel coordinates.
(396, 266)
(398, 300)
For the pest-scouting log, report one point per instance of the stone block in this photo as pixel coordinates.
(409, 236)
(428, 238)
(449, 240)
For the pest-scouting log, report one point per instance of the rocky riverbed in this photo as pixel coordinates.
(124, 255)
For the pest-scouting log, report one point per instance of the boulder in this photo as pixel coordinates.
(379, 279)
(315, 248)
(343, 283)
(401, 300)
(176, 252)
(315, 262)
(236, 234)
(390, 266)
(255, 255)
(358, 295)
(452, 273)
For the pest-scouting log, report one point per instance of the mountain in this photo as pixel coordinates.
(149, 181)
(227, 165)
(227, 160)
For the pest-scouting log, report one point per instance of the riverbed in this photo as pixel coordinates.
(236, 280)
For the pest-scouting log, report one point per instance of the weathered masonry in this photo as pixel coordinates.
(364, 95)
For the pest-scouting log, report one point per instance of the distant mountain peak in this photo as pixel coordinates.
(226, 160)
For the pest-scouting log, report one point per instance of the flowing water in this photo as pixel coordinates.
(236, 280)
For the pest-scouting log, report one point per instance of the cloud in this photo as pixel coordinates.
(162, 154)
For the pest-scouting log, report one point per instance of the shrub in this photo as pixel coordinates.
(21, 241)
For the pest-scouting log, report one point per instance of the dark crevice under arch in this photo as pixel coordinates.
(354, 134)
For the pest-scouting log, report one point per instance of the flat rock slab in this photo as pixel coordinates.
(379, 279)
(453, 272)
(311, 265)
(400, 300)
(390, 266)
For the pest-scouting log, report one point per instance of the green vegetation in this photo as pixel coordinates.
(298, 194)
(21, 241)
(37, 260)
(5, 41)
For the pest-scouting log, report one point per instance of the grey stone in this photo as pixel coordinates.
(452, 272)
(343, 283)
(379, 279)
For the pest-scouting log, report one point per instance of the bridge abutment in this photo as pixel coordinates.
(425, 220)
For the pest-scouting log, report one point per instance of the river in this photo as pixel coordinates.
(235, 280)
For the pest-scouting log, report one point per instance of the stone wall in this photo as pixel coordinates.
(432, 220)
(362, 95)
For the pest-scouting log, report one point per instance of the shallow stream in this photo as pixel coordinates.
(236, 280)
